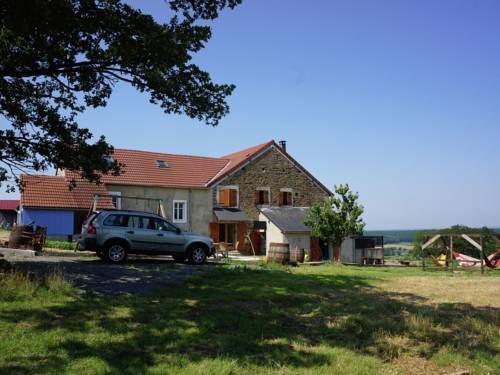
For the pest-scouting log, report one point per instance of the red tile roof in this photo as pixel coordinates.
(237, 159)
(182, 170)
(9, 204)
(141, 168)
(54, 192)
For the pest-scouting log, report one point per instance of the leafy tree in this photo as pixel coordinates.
(58, 57)
(337, 218)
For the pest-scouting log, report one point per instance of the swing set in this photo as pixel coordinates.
(108, 202)
(450, 257)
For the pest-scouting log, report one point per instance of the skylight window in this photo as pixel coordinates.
(161, 164)
(109, 159)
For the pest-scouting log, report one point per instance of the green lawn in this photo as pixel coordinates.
(307, 320)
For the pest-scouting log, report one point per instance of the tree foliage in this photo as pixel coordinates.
(338, 217)
(58, 57)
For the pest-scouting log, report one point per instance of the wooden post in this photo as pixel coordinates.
(482, 254)
(450, 260)
(423, 257)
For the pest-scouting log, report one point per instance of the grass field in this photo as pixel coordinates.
(318, 320)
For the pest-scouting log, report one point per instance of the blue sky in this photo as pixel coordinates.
(400, 99)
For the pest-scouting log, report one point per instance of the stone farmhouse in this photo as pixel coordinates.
(246, 199)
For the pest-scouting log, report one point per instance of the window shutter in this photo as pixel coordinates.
(256, 197)
(277, 199)
(233, 199)
(242, 231)
(266, 197)
(214, 231)
(224, 198)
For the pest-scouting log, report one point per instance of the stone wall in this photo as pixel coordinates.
(275, 171)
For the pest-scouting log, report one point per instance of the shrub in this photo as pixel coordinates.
(62, 245)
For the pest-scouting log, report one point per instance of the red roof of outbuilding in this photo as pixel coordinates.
(9, 204)
(54, 192)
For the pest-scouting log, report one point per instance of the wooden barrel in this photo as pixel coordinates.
(278, 252)
(296, 255)
(20, 236)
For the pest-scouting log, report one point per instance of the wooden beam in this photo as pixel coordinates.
(431, 241)
(472, 242)
(482, 255)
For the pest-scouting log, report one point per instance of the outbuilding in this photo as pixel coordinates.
(286, 225)
(48, 201)
(8, 212)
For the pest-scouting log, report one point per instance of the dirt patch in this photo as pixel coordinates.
(136, 276)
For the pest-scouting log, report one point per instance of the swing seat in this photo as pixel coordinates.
(439, 261)
(493, 261)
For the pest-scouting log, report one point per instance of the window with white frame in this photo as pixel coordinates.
(116, 199)
(179, 211)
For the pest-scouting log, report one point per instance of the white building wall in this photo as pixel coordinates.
(300, 240)
(274, 234)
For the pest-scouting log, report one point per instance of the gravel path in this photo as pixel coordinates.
(136, 276)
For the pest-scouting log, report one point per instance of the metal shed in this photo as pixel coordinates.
(363, 250)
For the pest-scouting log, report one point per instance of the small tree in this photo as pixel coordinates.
(337, 218)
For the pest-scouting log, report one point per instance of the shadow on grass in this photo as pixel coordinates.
(255, 318)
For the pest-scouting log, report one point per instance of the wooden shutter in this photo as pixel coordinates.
(277, 199)
(214, 231)
(224, 198)
(266, 197)
(242, 231)
(233, 197)
(256, 197)
(315, 251)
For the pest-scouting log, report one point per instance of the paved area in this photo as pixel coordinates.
(136, 276)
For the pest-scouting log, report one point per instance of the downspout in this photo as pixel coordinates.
(190, 223)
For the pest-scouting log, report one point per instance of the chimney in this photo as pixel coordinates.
(283, 145)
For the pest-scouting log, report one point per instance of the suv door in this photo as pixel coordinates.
(139, 235)
(171, 238)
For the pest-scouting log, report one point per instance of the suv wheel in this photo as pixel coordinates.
(197, 254)
(115, 252)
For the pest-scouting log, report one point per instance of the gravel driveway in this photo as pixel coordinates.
(137, 275)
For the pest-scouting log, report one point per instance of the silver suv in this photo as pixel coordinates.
(113, 234)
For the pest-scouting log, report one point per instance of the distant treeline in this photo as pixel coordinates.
(396, 236)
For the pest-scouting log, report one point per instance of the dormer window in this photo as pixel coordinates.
(161, 164)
